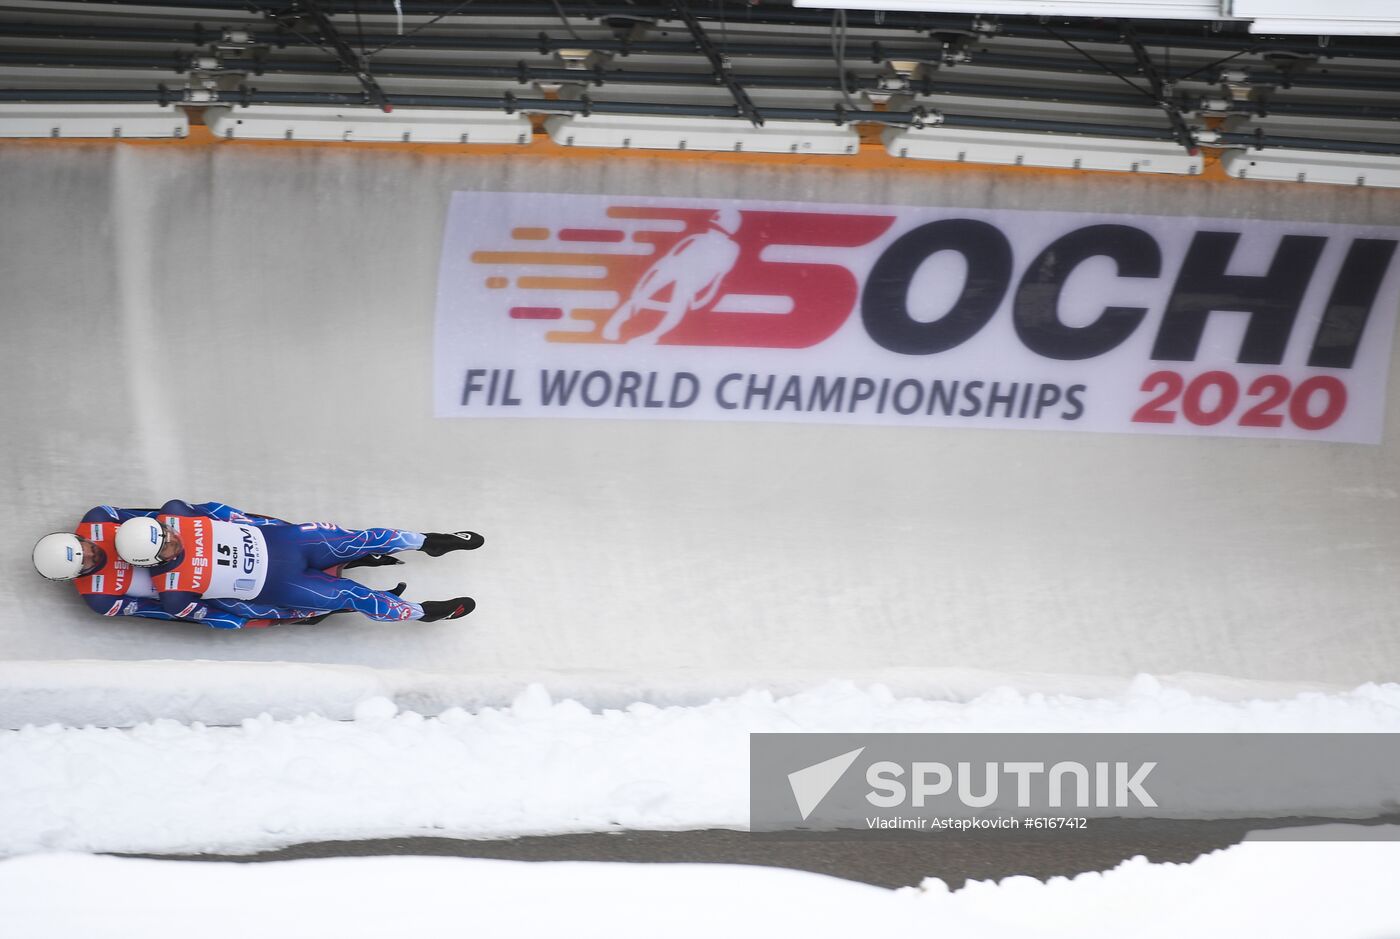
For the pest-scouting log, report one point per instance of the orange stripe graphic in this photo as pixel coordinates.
(621, 272)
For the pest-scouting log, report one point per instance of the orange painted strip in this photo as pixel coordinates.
(591, 338)
(530, 234)
(565, 283)
(578, 259)
(641, 211)
(871, 157)
(591, 234)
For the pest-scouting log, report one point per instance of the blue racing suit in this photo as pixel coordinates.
(118, 589)
(243, 566)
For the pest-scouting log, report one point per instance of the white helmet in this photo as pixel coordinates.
(139, 541)
(59, 556)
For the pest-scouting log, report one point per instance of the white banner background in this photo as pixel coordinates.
(531, 285)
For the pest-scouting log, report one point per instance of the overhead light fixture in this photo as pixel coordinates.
(889, 87)
(1313, 166)
(368, 125)
(652, 132)
(1057, 151)
(581, 58)
(92, 120)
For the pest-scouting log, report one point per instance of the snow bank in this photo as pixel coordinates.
(536, 766)
(123, 694)
(1281, 890)
(1275, 889)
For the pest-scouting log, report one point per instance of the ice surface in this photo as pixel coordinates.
(283, 299)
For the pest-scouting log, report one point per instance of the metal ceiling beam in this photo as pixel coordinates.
(480, 50)
(748, 11)
(511, 104)
(1178, 34)
(523, 74)
(543, 43)
(986, 59)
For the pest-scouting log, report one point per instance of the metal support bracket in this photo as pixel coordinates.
(718, 63)
(1180, 129)
(355, 63)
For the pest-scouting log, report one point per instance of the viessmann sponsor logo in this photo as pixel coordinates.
(555, 305)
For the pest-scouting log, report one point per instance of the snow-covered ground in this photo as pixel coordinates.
(542, 764)
(1277, 889)
(538, 765)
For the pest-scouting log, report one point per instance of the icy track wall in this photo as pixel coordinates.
(255, 325)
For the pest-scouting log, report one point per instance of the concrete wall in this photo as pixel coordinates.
(280, 302)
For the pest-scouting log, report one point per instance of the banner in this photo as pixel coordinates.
(640, 307)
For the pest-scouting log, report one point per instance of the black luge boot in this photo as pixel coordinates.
(436, 544)
(372, 560)
(434, 610)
